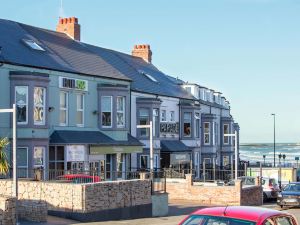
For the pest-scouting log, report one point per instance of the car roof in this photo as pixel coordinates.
(240, 212)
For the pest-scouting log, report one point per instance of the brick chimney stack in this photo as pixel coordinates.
(69, 26)
(142, 51)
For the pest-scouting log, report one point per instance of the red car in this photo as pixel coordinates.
(80, 178)
(238, 215)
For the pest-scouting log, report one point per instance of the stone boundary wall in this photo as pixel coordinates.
(83, 198)
(36, 211)
(252, 196)
(7, 210)
(214, 195)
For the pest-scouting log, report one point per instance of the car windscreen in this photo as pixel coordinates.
(292, 187)
(214, 220)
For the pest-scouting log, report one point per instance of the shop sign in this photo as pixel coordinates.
(75, 153)
(172, 128)
(72, 83)
(180, 158)
(99, 150)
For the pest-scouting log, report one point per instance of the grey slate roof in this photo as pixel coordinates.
(89, 137)
(173, 146)
(64, 54)
(131, 67)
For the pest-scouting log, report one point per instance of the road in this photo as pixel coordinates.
(177, 211)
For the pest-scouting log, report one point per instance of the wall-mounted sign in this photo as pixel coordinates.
(75, 153)
(172, 128)
(180, 158)
(71, 83)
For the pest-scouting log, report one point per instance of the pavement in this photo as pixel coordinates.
(177, 211)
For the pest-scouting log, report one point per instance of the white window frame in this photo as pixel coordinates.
(111, 111)
(206, 133)
(172, 116)
(197, 128)
(24, 167)
(213, 133)
(80, 110)
(26, 105)
(154, 118)
(44, 156)
(123, 111)
(191, 127)
(148, 161)
(196, 158)
(44, 107)
(64, 109)
(163, 118)
(225, 143)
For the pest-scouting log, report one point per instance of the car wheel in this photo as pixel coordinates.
(265, 197)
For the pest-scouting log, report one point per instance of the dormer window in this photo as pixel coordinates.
(32, 44)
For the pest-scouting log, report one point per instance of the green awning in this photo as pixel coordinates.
(101, 150)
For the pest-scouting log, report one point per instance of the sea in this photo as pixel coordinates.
(254, 152)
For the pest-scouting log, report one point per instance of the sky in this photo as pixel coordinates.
(247, 49)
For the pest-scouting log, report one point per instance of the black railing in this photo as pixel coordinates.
(158, 183)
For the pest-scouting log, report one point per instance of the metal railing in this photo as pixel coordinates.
(158, 184)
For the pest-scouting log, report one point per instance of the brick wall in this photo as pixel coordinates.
(214, 195)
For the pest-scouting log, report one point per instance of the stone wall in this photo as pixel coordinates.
(7, 210)
(116, 194)
(214, 195)
(252, 196)
(32, 210)
(83, 198)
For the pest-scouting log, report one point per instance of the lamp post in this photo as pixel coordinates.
(235, 152)
(15, 178)
(264, 156)
(151, 148)
(273, 114)
(279, 179)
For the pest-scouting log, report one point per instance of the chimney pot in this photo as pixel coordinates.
(69, 26)
(142, 51)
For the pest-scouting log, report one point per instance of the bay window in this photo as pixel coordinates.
(120, 112)
(106, 109)
(80, 110)
(63, 117)
(172, 116)
(197, 125)
(187, 124)
(144, 161)
(39, 99)
(226, 131)
(39, 156)
(144, 120)
(206, 133)
(22, 161)
(163, 115)
(21, 99)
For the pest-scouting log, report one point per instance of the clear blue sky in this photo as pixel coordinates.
(247, 49)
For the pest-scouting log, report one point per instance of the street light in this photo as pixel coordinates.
(15, 178)
(235, 151)
(283, 156)
(273, 114)
(264, 156)
(279, 180)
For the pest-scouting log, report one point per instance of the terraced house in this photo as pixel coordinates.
(78, 107)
